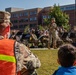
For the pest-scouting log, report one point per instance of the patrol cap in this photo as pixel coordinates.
(53, 19)
(5, 17)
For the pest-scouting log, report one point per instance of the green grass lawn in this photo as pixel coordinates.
(48, 60)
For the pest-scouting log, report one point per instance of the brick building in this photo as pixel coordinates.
(70, 10)
(33, 17)
(45, 14)
(22, 18)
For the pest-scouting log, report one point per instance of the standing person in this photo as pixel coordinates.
(15, 58)
(52, 33)
(67, 60)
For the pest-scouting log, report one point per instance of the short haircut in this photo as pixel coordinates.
(67, 55)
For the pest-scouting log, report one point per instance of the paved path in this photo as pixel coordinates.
(42, 49)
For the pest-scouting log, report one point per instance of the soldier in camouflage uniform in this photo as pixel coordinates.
(33, 38)
(26, 61)
(52, 33)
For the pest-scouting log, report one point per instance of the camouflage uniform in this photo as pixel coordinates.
(52, 34)
(33, 39)
(25, 59)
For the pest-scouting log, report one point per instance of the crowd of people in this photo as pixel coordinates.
(17, 59)
(48, 38)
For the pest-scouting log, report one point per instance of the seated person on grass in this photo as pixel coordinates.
(67, 60)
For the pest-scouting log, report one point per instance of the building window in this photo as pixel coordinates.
(22, 20)
(32, 25)
(44, 16)
(33, 13)
(70, 8)
(62, 8)
(25, 25)
(21, 14)
(15, 27)
(33, 18)
(21, 26)
(67, 8)
(14, 21)
(14, 15)
(48, 16)
(26, 14)
(26, 19)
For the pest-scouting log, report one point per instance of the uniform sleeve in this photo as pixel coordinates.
(25, 58)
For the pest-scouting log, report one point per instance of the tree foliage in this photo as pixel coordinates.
(62, 19)
(26, 30)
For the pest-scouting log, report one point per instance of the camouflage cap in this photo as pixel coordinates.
(4, 16)
(52, 18)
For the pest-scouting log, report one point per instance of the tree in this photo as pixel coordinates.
(62, 19)
(26, 30)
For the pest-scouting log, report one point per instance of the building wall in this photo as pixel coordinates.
(71, 14)
(45, 14)
(34, 17)
(13, 9)
(21, 19)
(70, 10)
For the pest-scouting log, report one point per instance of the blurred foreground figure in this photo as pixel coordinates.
(66, 60)
(15, 58)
